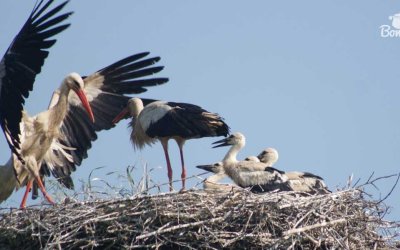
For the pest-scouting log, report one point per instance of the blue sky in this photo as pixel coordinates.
(313, 79)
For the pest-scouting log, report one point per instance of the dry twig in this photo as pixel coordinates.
(199, 219)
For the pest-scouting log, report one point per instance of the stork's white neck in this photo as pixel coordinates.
(270, 159)
(231, 156)
(271, 162)
(59, 110)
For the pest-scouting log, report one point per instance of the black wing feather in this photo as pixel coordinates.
(307, 174)
(123, 62)
(263, 188)
(188, 121)
(121, 77)
(272, 170)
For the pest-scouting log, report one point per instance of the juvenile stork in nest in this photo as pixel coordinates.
(298, 181)
(161, 120)
(247, 174)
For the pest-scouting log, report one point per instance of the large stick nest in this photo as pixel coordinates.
(199, 219)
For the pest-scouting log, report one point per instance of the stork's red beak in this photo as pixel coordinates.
(120, 116)
(85, 103)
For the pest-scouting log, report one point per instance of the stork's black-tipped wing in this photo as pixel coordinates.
(21, 63)
(311, 175)
(187, 121)
(264, 188)
(307, 182)
(105, 91)
(260, 178)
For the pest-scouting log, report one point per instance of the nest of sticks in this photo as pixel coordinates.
(345, 219)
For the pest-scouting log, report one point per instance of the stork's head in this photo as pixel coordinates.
(75, 82)
(269, 156)
(134, 107)
(215, 168)
(234, 139)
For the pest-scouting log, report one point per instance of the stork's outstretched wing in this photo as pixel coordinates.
(21, 63)
(105, 91)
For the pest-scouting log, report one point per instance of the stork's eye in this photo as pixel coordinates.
(76, 83)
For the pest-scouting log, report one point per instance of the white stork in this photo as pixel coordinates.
(211, 183)
(56, 140)
(258, 178)
(268, 156)
(253, 174)
(298, 181)
(162, 121)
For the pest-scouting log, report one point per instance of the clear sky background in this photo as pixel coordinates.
(313, 79)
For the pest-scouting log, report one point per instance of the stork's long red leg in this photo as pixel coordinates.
(46, 195)
(183, 175)
(28, 188)
(164, 144)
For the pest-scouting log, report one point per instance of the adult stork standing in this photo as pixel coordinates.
(163, 120)
(298, 181)
(255, 175)
(56, 140)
